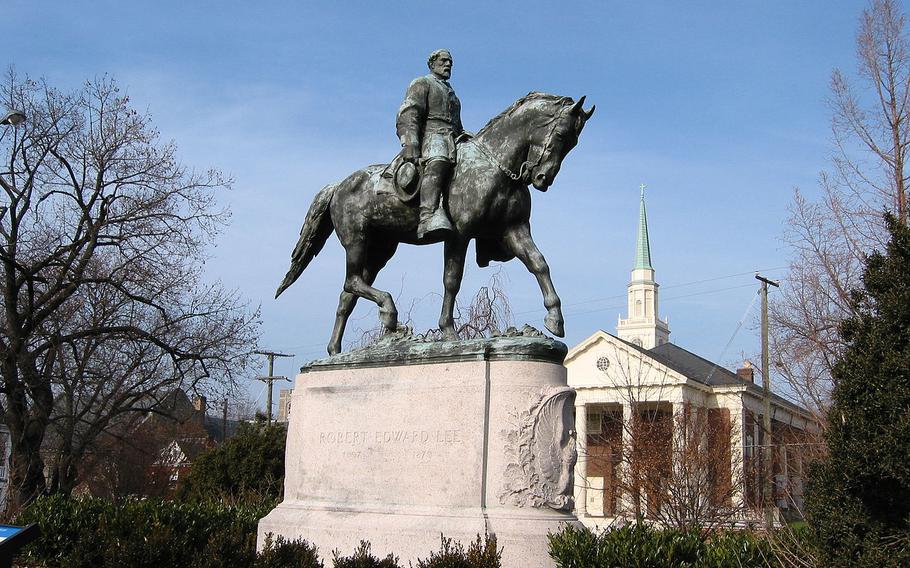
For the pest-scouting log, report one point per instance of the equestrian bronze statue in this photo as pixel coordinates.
(488, 200)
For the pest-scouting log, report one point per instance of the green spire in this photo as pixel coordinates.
(643, 248)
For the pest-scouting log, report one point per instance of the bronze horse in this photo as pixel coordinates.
(488, 200)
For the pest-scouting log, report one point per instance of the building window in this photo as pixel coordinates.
(603, 364)
(594, 423)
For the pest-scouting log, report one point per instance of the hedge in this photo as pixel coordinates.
(643, 546)
(151, 533)
(88, 532)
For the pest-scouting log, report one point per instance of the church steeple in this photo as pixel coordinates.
(643, 248)
(643, 325)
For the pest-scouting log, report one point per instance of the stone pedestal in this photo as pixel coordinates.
(408, 440)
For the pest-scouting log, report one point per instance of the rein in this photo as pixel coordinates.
(525, 165)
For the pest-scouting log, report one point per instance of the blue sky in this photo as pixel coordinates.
(719, 107)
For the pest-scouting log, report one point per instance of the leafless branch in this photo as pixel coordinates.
(104, 301)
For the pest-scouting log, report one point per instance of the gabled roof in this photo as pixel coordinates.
(672, 356)
(599, 335)
(182, 451)
(685, 363)
(694, 367)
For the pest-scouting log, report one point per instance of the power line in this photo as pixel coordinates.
(722, 277)
(619, 307)
(732, 337)
(665, 287)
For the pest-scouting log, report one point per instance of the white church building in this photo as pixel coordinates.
(668, 435)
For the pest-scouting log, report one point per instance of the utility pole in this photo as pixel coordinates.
(271, 378)
(767, 498)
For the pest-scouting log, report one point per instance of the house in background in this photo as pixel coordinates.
(149, 454)
(284, 405)
(668, 435)
(176, 459)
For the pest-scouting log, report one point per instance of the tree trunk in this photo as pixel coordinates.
(27, 472)
(27, 429)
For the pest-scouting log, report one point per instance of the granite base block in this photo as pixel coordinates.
(459, 441)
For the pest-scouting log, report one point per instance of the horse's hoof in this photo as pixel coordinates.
(333, 349)
(554, 325)
(389, 320)
(449, 335)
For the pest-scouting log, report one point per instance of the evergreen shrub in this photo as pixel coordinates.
(641, 546)
(248, 467)
(283, 553)
(363, 558)
(481, 553)
(86, 532)
(151, 533)
(858, 499)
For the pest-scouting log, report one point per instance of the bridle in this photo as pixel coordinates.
(526, 165)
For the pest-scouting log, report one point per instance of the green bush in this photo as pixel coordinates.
(481, 553)
(85, 532)
(642, 546)
(363, 558)
(140, 533)
(232, 547)
(248, 467)
(450, 555)
(858, 499)
(282, 553)
(736, 548)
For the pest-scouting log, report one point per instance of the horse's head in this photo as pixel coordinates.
(550, 144)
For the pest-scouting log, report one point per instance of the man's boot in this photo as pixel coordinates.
(434, 223)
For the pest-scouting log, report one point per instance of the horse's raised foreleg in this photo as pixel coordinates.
(518, 240)
(455, 250)
(355, 283)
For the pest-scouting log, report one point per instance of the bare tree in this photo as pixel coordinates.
(672, 463)
(831, 237)
(104, 306)
(488, 313)
(127, 460)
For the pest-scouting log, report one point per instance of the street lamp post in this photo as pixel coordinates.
(12, 118)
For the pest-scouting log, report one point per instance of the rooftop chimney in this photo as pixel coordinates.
(747, 372)
(199, 405)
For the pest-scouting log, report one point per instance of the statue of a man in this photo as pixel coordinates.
(429, 122)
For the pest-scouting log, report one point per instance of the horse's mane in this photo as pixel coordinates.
(530, 97)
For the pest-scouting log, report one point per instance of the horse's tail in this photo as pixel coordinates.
(315, 231)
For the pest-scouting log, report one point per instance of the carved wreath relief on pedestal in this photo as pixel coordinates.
(541, 452)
